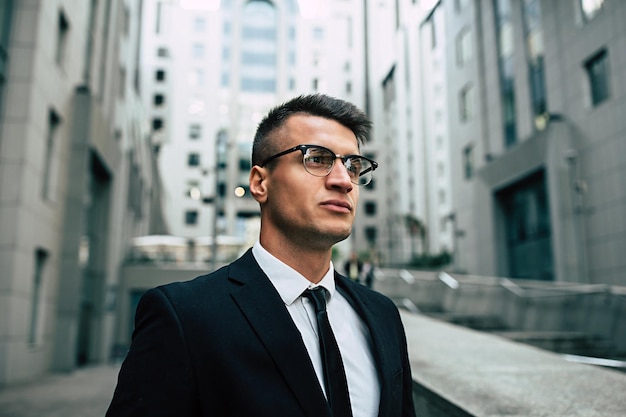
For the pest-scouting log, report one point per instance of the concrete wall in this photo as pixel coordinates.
(462, 372)
(525, 310)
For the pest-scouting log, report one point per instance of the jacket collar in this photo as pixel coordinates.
(265, 310)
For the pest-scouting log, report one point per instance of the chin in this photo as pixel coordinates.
(341, 235)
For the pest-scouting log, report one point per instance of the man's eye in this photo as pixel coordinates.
(320, 159)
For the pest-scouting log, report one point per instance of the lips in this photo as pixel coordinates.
(340, 205)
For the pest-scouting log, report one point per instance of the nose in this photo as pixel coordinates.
(339, 177)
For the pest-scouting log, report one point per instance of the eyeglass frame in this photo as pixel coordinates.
(344, 158)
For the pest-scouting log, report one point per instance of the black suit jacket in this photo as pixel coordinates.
(224, 344)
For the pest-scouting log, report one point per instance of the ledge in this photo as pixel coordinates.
(462, 372)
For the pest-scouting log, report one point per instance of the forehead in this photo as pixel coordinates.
(316, 130)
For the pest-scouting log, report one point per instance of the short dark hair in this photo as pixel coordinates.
(320, 105)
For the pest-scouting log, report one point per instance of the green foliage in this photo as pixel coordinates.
(431, 261)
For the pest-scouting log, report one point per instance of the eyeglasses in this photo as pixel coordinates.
(319, 161)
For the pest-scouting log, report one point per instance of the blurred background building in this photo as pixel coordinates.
(212, 70)
(77, 179)
(126, 129)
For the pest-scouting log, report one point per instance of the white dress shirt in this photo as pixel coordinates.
(351, 333)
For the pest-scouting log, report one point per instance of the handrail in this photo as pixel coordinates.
(448, 280)
(575, 290)
(610, 363)
(407, 276)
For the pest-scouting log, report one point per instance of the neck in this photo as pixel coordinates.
(312, 263)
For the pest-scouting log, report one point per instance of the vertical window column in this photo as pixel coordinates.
(41, 256)
(48, 173)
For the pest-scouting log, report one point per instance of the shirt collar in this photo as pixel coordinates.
(289, 283)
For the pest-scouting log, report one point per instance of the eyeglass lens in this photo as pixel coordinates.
(320, 161)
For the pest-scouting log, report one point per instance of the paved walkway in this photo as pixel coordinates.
(85, 392)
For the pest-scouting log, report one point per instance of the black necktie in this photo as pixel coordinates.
(334, 374)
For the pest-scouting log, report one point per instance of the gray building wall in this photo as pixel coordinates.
(75, 172)
(575, 143)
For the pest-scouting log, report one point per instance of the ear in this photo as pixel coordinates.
(258, 183)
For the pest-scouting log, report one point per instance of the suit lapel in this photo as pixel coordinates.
(265, 311)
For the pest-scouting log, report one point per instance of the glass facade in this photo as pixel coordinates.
(259, 47)
(597, 69)
(533, 34)
(506, 68)
(5, 27)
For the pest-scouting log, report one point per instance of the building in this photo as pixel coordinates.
(407, 63)
(537, 137)
(212, 70)
(531, 96)
(78, 179)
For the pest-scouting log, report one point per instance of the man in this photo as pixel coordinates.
(353, 267)
(243, 341)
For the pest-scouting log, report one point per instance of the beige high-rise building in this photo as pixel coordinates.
(212, 70)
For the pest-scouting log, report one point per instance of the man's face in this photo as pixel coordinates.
(305, 209)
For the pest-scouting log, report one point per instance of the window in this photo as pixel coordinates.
(260, 59)
(370, 208)
(193, 159)
(259, 48)
(468, 162)
(463, 47)
(41, 256)
(159, 16)
(159, 75)
(258, 84)
(440, 169)
(157, 124)
(433, 32)
(221, 189)
(459, 5)
(199, 24)
(533, 33)
(54, 122)
(506, 69)
(197, 51)
(125, 21)
(196, 77)
(225, 81)
(590, 8)
(63, 29)
(466, 97)
(163, 52)
(121, 87)
(195, 131)
(597, 69)
(318, 33)
(371, 233)
(251, 33)
(159, 100)
(191, 217)
(245, 165)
